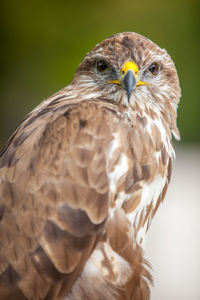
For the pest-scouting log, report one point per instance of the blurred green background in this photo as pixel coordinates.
(43, 42)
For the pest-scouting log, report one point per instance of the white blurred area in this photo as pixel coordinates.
(173, 241)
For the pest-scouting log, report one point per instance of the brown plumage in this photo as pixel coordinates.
(83, 175)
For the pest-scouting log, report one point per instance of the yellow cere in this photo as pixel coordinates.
(129, 65)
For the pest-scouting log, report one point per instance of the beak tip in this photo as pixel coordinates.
(129, 94)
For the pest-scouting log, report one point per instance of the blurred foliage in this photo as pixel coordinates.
(42, 43)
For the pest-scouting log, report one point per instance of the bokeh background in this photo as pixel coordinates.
(42, 43)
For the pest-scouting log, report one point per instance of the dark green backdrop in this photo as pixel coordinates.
(43, 42)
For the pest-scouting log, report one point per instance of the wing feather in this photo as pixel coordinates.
(54, 198)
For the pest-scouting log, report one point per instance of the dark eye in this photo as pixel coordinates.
(101, 66)
(154, 68)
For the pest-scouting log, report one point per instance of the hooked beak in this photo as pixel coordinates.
(129, 77)
(129, 82)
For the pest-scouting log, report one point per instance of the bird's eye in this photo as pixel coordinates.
(101, 66)
(154, 68)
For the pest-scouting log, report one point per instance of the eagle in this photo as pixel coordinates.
(83, 175)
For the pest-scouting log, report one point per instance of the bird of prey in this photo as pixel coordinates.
(83, 175)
